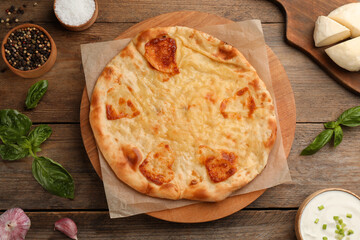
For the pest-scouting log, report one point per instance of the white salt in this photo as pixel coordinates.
(74, 12)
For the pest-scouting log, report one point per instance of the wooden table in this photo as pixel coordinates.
(318, 99)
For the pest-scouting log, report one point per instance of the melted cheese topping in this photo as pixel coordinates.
(216, 117)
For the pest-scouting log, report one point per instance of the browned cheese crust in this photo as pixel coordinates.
(179, 114)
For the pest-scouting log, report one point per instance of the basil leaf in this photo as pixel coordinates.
(320, 141)
(13, 125)
(53, 177)
(35, 93)
(24, 142)
(39, 135)
(331, 124)
(338, 135)
(12, 152)
(350, 117)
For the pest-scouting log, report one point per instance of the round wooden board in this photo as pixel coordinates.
(202, 212)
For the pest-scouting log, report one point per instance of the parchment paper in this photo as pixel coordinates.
(247, 36)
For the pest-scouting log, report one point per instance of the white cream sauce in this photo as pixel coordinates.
(336, 203)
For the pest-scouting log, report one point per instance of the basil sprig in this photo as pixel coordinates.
(323, 138)
(19, 142)
(35, 93)
(349, 118)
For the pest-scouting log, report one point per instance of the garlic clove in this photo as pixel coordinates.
(68, 227)
(14, 224)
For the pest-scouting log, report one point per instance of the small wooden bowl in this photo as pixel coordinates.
(40, 70)
(81, 27)
(307, 200)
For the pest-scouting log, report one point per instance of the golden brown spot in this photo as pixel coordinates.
(157, 166)
(156, 129)
(148, 189)
(210, 97)
(118, 80)
(198, 41)
(166, 79)
(201, 194)
(255, 84)
(273, 127)
(95, 100)
(129, 88)
(160, 53)
(242, 91)
(263, 97)
(251, 105)
(240, 70)
(107, 73)
(228, 136)
(110, 90)
(220, 164)
(126, 52)
(121, 101)
(226, 52)
(127, 110)
(240, 100)
(221, 168)
(223, 108)
(111, 114)
(132, 155)
(195, 178)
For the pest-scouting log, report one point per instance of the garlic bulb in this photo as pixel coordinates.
(14, 224)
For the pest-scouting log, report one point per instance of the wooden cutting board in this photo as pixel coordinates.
(203, 212)
(300, 22)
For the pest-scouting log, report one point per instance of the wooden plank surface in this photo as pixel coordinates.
(318, 99)
(265, 224)
(139, 10)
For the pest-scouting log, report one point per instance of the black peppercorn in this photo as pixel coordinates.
(27, 48)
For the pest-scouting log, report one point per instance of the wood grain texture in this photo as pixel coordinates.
(138, 10)
(285, 104)
(300, 22)
(259, 225)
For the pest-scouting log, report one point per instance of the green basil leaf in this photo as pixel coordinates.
(338, 136)
(13, 125)
(331, 124)
(350, 117)
(53, 177)
(12, 152)
(24, 142)
(38, 135)
(320, 141)
(35, 93)
(36, 149)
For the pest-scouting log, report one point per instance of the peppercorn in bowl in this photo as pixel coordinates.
(29, 50)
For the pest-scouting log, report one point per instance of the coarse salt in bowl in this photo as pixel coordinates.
(76, 15)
